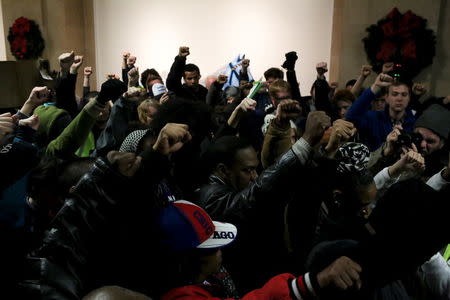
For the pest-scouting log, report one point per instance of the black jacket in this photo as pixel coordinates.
(182, 90)
(258, 212)
(99, 237)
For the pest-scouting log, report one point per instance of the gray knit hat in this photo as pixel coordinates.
(437, 119)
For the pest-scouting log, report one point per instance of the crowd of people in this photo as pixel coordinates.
(343, 194)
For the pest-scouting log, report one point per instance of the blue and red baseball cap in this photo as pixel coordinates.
(186, 226)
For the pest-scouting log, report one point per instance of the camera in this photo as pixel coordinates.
(405, 139)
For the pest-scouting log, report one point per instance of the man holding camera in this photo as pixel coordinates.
(374, 126)
(423, 151)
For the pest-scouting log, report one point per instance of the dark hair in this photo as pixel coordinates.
(350, 82)
(191, 68)
(351, 184)
(343, 95)
(273, 73)
(196, 115)
(58, 175)
(399, 83)
(223, 150)
(149, 74)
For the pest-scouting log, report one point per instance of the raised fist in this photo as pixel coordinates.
(87, 71)
(387, 67)
(222, 79)
(245, 63)
(126, 163)
(246, 104)
(125, 55)
(183, 51)
(419, 89)
(77, 62)
(38, 95)
(316, 125)
(66, 60)
(171, 138)
(287, 110)
(366, 70)
(343, 273)
(131, 60)
(321, 68)
(382, 81)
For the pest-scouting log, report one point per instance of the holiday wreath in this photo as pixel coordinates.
(403, 39)
(25, 39)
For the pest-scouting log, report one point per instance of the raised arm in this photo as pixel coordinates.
(176, 71)
(366, 70)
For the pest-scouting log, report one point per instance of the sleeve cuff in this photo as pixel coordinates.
(302, 149)
(437, 182)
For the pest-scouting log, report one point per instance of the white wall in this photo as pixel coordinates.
(215, 31)
(3, 40)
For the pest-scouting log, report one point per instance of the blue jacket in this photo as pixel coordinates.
(374, 126)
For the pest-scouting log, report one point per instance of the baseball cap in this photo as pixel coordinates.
(158, 89)
(186, 226)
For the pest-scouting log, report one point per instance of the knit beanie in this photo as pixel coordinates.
(437, 119)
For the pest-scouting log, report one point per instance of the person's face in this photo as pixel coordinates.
(191, 78)
(151, 82)
(280, 96)
(104, 114)
(431, 142)
(378, 104)
(211, 263)
(367, 196)
(398, 98)
(243, 170)
(342, 107)
(150, 113)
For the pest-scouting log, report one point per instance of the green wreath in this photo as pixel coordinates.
(25, 39)
(403, 39)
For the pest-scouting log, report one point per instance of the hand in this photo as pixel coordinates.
(38, 95)
(381, 81)
(387, 67)
(410, 161)
(6, 124)
(287, 110)
(321, 68)
(171, 138)
(245, 63)
(334, 85)
(125, 55)
(391, 139)
(77, 62)
(246, 104)
(126, 163)
(446, 100)
(32, 122)
(66, 60)
(222, 79)
(87, 71)
(316, 124)
(164, 98)
(183, 51)
(341, 132)
(418, 89)
(366, 70)
(134, 94)
(343, 273)
(131, 60)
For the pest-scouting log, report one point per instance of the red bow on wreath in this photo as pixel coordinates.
(399, 34)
